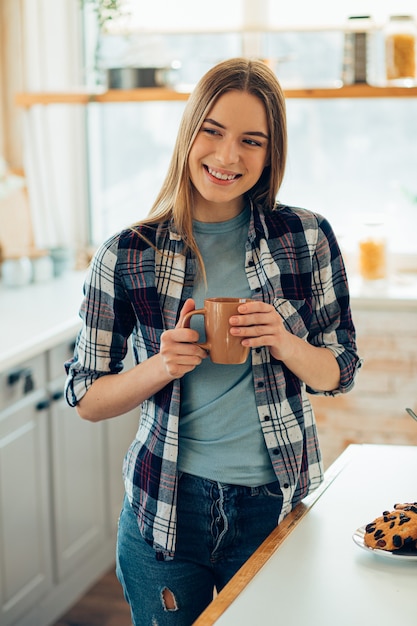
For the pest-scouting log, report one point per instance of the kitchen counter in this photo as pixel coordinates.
(38, 317)
(310, 571)
(397, 293)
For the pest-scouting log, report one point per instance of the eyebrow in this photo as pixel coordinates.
(252, 133)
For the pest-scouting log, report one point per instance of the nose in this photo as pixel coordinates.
(227, 151)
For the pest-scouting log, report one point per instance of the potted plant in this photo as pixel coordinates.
(105, 11)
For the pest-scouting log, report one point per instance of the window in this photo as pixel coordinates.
(347, 158)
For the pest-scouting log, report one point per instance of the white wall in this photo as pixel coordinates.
(222, 15)
(334, 12)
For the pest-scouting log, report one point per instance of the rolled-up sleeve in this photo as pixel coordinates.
(108, 321)
(332, 325)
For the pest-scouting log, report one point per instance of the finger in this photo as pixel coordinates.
(253, 330)
(182, 356)
(182, 365)
(257, 342)
(189, 305)
(179, 335)
(254, 306)
(252, 319)
(181, 341)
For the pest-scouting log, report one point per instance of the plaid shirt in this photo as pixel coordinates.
(136, 290)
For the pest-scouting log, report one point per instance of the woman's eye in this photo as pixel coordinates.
(253, 142)
(210, 131)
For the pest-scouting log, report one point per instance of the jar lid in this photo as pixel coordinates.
(401, 17)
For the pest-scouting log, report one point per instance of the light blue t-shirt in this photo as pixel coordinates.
(220, 436)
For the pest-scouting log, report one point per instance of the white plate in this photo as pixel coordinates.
(358, 538)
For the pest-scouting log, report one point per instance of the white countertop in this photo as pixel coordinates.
(319, 576)
(38, 317)
(397, 293)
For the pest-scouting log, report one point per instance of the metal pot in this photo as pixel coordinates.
(137, 77)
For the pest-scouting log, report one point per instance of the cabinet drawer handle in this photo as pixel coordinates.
(17, 375)
(43, 404)
(29, 384)
(24, 373)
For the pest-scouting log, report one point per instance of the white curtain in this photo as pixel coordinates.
(54, 144)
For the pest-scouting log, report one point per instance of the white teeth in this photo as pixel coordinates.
(221, 176)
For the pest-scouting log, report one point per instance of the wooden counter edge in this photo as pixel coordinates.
(252, 566)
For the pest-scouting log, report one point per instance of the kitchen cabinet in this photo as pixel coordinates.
(77, 463)
(25, 504)
(61, 491)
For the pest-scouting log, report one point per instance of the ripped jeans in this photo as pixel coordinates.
(219, 527)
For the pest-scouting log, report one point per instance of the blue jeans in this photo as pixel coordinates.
(219, 527)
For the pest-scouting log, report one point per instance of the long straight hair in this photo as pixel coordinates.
(175, 199)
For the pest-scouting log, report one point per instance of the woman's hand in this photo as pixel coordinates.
(259, 324)
(179, 351)
(117, 394)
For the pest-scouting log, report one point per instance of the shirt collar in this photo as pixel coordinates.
(257, 225)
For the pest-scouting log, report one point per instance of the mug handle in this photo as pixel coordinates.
(187, 316)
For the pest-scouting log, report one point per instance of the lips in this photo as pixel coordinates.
(222, 176)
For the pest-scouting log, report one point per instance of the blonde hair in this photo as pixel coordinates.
(175, 199)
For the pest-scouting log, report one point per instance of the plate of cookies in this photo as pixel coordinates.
(392, 534)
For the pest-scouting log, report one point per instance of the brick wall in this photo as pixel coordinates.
(374, 411)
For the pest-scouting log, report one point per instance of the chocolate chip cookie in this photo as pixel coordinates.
(394, 530)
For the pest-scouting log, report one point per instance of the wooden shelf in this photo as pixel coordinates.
(30, 99)
(354, 91)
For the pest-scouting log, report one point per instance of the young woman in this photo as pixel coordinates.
(223, 452)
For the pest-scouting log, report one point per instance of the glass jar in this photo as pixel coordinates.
(42, 267)
(17, 271)
(356, 53)
(373, 251)
(400, 49)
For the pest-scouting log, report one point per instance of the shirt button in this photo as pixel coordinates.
(285, 485)
(276, 452)
(266, 419)
(261, 384)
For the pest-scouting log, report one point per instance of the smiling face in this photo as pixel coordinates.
(228, 155)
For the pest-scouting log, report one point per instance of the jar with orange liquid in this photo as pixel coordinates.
(373, 252)
(400, 49)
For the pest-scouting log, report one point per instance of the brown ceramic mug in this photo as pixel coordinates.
(223, 347)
